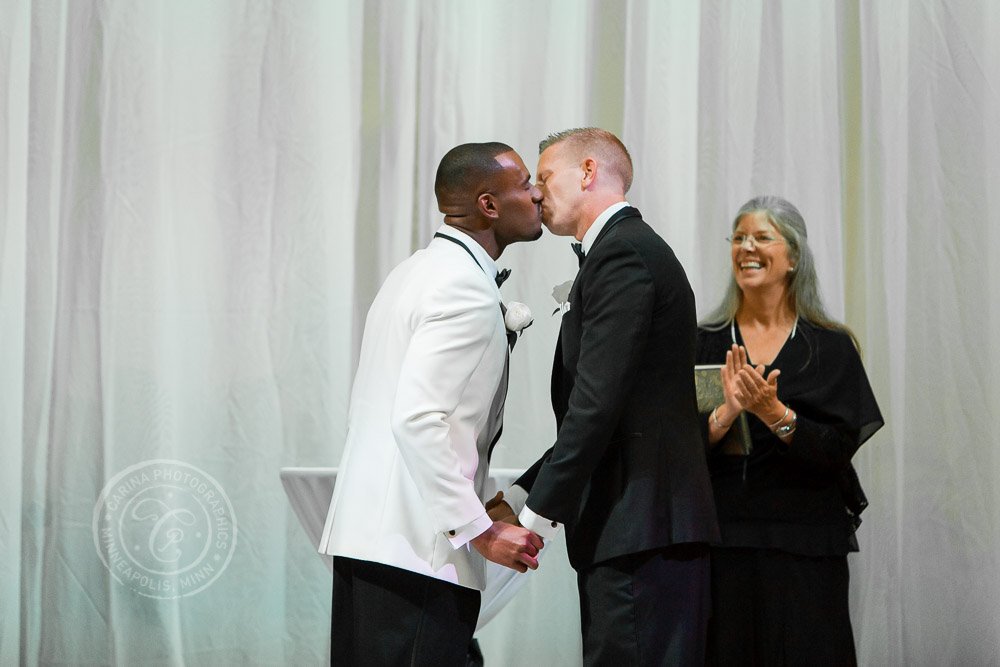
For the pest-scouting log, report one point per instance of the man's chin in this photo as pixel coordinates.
(557, 232)
(529, 236)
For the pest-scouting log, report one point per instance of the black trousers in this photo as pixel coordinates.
(775, 608)
(649, 608)
(384, 616)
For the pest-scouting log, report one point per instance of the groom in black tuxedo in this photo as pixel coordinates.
(627, 473)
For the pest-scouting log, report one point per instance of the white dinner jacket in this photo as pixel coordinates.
(419, 426)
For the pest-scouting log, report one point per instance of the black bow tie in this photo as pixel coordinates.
(578, 249)
(502, 276)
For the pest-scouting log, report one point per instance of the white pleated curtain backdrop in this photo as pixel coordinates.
(200, 200)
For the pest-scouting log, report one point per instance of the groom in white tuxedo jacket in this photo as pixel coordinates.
(407, 525)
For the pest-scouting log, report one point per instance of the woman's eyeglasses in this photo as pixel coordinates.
(764, 239)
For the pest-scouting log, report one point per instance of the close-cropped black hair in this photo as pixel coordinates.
(466, 167)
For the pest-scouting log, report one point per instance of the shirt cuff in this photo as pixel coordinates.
(462, 535)
(539, 525)
(515, 497)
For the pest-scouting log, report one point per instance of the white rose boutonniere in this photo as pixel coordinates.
(561, 294)
(518, 317)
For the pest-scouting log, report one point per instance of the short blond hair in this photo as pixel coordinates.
(595, 142)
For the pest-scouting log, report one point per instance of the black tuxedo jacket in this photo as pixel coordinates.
(627, 472)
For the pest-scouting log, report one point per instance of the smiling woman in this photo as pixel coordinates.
(769, 228)
(760, 260)
(788, 509)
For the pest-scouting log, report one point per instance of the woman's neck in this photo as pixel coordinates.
(765, 310)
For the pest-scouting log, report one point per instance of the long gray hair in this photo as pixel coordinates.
(803, 286)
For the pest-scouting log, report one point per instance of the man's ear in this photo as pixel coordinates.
(589, 169)
(487, 205)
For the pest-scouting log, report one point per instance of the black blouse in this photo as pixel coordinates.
(792, 496)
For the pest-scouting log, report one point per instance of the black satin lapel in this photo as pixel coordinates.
(627, 212)
(439, 235)
(502, 396)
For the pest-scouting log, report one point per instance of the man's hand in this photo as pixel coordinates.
(510, 546)
(498, 510)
